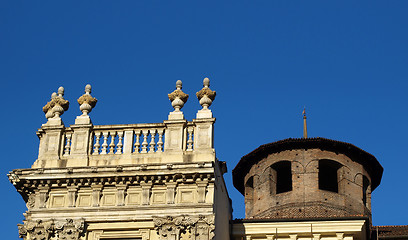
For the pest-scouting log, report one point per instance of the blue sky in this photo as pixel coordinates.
(346, 61)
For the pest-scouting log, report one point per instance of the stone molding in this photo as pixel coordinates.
(27, 186)
(333, 229)
(199, 227)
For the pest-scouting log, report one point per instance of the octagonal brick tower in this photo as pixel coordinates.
(307, 178)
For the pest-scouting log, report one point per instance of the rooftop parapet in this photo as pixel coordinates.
(175, 140)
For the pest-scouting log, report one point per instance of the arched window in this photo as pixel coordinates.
(249, 189)
(366, 184)
(328, 175)
(283, 176)
(249, 195)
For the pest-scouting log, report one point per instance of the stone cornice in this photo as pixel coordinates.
(28, 180)
(176, 167)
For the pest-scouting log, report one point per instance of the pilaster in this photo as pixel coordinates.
(51, 143)
(204, 134)
(170, 192)
(201, 189)
(175, 136)
(80, 147)
(120, 194)
(96, 194)
(72, 192)
(146, 188)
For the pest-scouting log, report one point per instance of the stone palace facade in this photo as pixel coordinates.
(163, 181)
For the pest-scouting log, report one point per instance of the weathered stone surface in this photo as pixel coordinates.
(306, 199)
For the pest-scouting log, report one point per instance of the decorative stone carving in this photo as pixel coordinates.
(206, 96)
(22, 231)
(31, 201)
(203, 228)
(178, 98)
(44, 230)
(48, 109)
(35, 230)
(13, 178)
(56, 107)
(69, 229)
(86, 101)
(170, 228)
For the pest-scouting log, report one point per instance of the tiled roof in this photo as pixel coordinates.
(391, 232)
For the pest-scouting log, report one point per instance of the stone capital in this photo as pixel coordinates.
(69, 229)
(170, 228)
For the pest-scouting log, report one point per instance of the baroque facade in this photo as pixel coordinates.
(135, 181)
(163, 181)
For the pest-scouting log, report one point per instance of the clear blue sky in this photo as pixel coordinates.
(346, 61)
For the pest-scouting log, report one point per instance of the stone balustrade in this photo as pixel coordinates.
(84, 144)
(95, 145)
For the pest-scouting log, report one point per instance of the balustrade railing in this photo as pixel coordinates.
(82, 144)
(67, 137)
(114, 140)
(128, 139)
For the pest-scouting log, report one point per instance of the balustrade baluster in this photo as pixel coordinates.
(190, 139)
(119, 145)
(152, 142)
(137, 143)
(105, 142)
(160, 142)
(97, 145)
(67, 145)
(144, 143)
(112, 143)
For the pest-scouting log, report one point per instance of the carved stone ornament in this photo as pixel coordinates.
(170, 228)
(56, 107)
(22, 231)
(35, 230)
(69, 229)
(13, 178)
(206, 96)
(203, 228)
(178, 98)
(45, 230)
(86, 101)
(31, 201)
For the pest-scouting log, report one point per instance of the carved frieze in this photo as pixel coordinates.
(170, 228)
